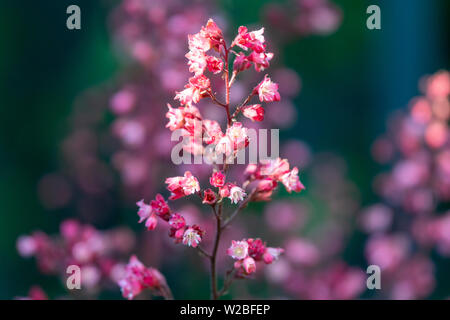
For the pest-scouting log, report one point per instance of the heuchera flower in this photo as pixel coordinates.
(267, 90)
(212, 131)
(145, 213)
(215, 65)
(182, 186)
(249, 265)
(250, 40)
(217, 179)
(236, 194)
(209, 197)
(138, 277)
(160, 207)
(238, 136)
(176, 118)
(241, 63)
(260, 60)
(292, 182)
(248, 252)
(192, 237)
(177, 221)
(254, 112)
(238, 250)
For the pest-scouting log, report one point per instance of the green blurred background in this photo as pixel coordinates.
(351, 81)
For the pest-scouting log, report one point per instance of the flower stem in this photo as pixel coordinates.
(214, 292)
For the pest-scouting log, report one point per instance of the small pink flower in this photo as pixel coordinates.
(151, 222)
(177, 221)
(238, 250)
(224, 191)
(190, 183)
(249, 265)
(209, 197)
(197, 60)
(274, 168)
(217, 179)
(267, 90)
(144, 211)
(224, 146)
(250, 40)
(176, 118)
(189, 95)
(138, 277)
(191, 237)
(254, 112)
(198, 43)
(182, 186)
(238, 136)
(292, 182)
(200, 82)
(213, 33)
(241, 63)
(272, 254)
(160, 207)
(214, 65)
(264, 190)
(260, 60)
(236, 194)
(213, 132)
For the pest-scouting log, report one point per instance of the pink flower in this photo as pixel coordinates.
(217, 179)
(254, 112)
(145, 213)
(214, 65)
(241, 63)
(200, 82)
(224, 191)
(238, 250)
(224, 146)
(238, 136)
(151, 222)
(182, 186)
(236, 194)
(267, 90)
(274, 168)
(249, 265)
(197, 60)
(176, 118)
(177, 221)
(250, 40)
(160, 207)
(189, 95)
(138, 277)
(260, 60)
(272, 254)
(264, 190)
(292, 182)
(213, 33)
(256, 248)
(191, 237)
(198, 43)
(213, 132)
(209, 197)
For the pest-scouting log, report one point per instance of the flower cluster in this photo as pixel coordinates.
(267, 175)
(249, 251)
(408, 223)
(137, 277)
(98, 254)
(262, 179)
(188, 235)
